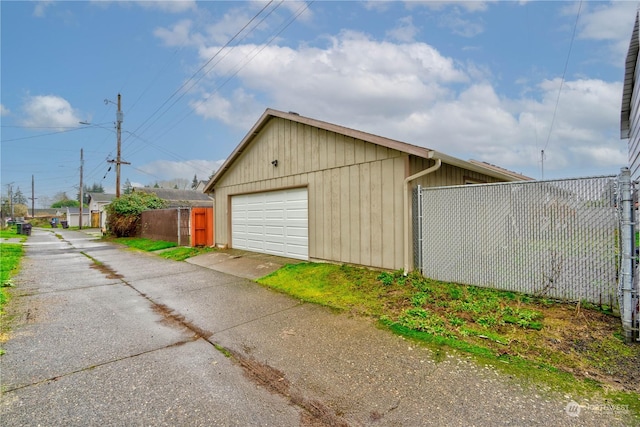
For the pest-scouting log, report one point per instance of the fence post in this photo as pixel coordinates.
(418, 226)
(179, 243)
(626, 268)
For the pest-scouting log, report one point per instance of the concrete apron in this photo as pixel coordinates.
(250, 265)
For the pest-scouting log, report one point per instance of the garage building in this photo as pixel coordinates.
(307, 189)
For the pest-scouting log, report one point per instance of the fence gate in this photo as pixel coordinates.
(559, 238)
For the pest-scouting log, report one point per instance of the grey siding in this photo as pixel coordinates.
(634, 126)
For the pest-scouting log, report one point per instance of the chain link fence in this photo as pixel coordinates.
(558, 239)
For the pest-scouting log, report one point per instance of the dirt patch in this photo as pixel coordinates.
(107, 271)
(592, 340)
(172, 318)
(315, 414)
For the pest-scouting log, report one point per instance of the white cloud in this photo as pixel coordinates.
(171, 6)
(238, 111)
(167, 170)
(405, 31)
(411, 92)
(4, 111)
(611, 22)
(179, 34)
(49, 111)
(41, 7)
(461, 26)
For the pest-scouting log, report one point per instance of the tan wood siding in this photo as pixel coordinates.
(446, 175)
(355, 189)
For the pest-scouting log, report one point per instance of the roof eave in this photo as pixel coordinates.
(629, 73)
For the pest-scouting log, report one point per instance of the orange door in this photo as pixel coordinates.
(202, 226)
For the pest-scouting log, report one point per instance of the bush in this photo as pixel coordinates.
(123, 218)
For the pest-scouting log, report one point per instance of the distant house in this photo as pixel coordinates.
(97, 204)
(303, 188)
(201, 185)
(630, 113)
(73, 217)
(178, 198)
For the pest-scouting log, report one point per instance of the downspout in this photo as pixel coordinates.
(407, 180)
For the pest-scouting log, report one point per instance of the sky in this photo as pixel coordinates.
(494, 81)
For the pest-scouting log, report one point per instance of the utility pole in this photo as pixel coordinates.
(542, 163)
(119, 139)
(81, 195)
(33, 199)
(11, 201)
(118, 161)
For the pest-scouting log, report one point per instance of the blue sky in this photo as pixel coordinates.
(475, 80)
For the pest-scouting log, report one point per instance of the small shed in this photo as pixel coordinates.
(73, 217)
(303, 188)
(97, 204)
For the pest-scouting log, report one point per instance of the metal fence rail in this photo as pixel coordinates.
(554, 238)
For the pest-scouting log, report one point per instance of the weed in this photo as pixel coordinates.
(386, 278)
(530, 336)
(182, 253)
(222, 350)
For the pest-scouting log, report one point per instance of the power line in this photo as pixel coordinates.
(564, 72)
(255, 53)
(137, 130)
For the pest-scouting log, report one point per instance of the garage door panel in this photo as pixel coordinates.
(273, 222)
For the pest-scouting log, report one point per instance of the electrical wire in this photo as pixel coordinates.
(190, 79)
(257, 50)
(564, 72)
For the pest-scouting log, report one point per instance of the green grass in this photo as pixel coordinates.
(146, 245)
(182, 253)
(10, 233)
(170, 250)
(10, 255)
(538, 340)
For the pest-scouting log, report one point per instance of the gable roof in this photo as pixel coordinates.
(364, 136)
(102, 197)
(627, 89)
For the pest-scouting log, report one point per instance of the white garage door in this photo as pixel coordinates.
(275, 222)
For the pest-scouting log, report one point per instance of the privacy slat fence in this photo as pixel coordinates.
(558, 239)
(572, 239)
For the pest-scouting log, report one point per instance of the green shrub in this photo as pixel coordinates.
(124, 212)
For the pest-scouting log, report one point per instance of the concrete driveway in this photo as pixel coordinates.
(108, 336)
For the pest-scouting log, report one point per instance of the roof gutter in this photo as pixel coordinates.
(407, 181)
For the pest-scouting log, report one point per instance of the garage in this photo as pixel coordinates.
(274, 222)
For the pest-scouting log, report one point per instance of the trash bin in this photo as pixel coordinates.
(64, 224)
(54, 223)
(19, 227)
(26, 229)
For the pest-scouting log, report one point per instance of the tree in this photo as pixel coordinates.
(123, 219)
(20, 209)
(19, 198)
(5, 207)
(60, 196)
(128, 188)
(194, 183)
(66, 204)
(95, 188)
